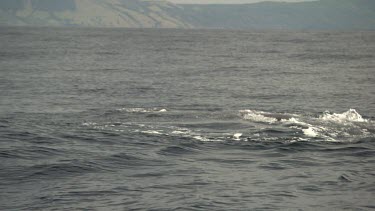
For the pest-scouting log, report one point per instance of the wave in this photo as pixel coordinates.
(253, 125)
(262, 116)
(349, 116)
(338, 127)
(142, 110)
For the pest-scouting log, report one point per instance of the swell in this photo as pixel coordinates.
(247, 125)
(17, 174)
(348, 126)
(30, 152)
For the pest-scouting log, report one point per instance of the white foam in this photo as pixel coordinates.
(151, 132)
(142, 110)
(257, 116)
(295, 121)
(333, 127)
(237, 136)
(310, 132)
(349, 116)
(89, 124)
(341, 127)
(204, 139)
(179, 132)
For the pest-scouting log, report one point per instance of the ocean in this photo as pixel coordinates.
(172, 119)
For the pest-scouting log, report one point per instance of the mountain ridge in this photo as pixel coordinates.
(98, 13)
(323, 14)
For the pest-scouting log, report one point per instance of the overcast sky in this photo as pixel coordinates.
(227, 1)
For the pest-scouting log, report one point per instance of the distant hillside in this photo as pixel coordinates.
(97, 13)
(323, 14)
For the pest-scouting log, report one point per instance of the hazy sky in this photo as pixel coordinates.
(228, 1)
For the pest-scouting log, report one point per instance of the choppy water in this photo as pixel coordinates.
(123, 119)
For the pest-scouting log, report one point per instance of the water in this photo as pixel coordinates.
(143, 119)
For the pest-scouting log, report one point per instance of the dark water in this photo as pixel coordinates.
(121, 119)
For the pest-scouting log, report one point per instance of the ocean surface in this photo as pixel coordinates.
(149, 119)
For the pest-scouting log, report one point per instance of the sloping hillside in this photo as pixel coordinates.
(99, 13)
(323, 14)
